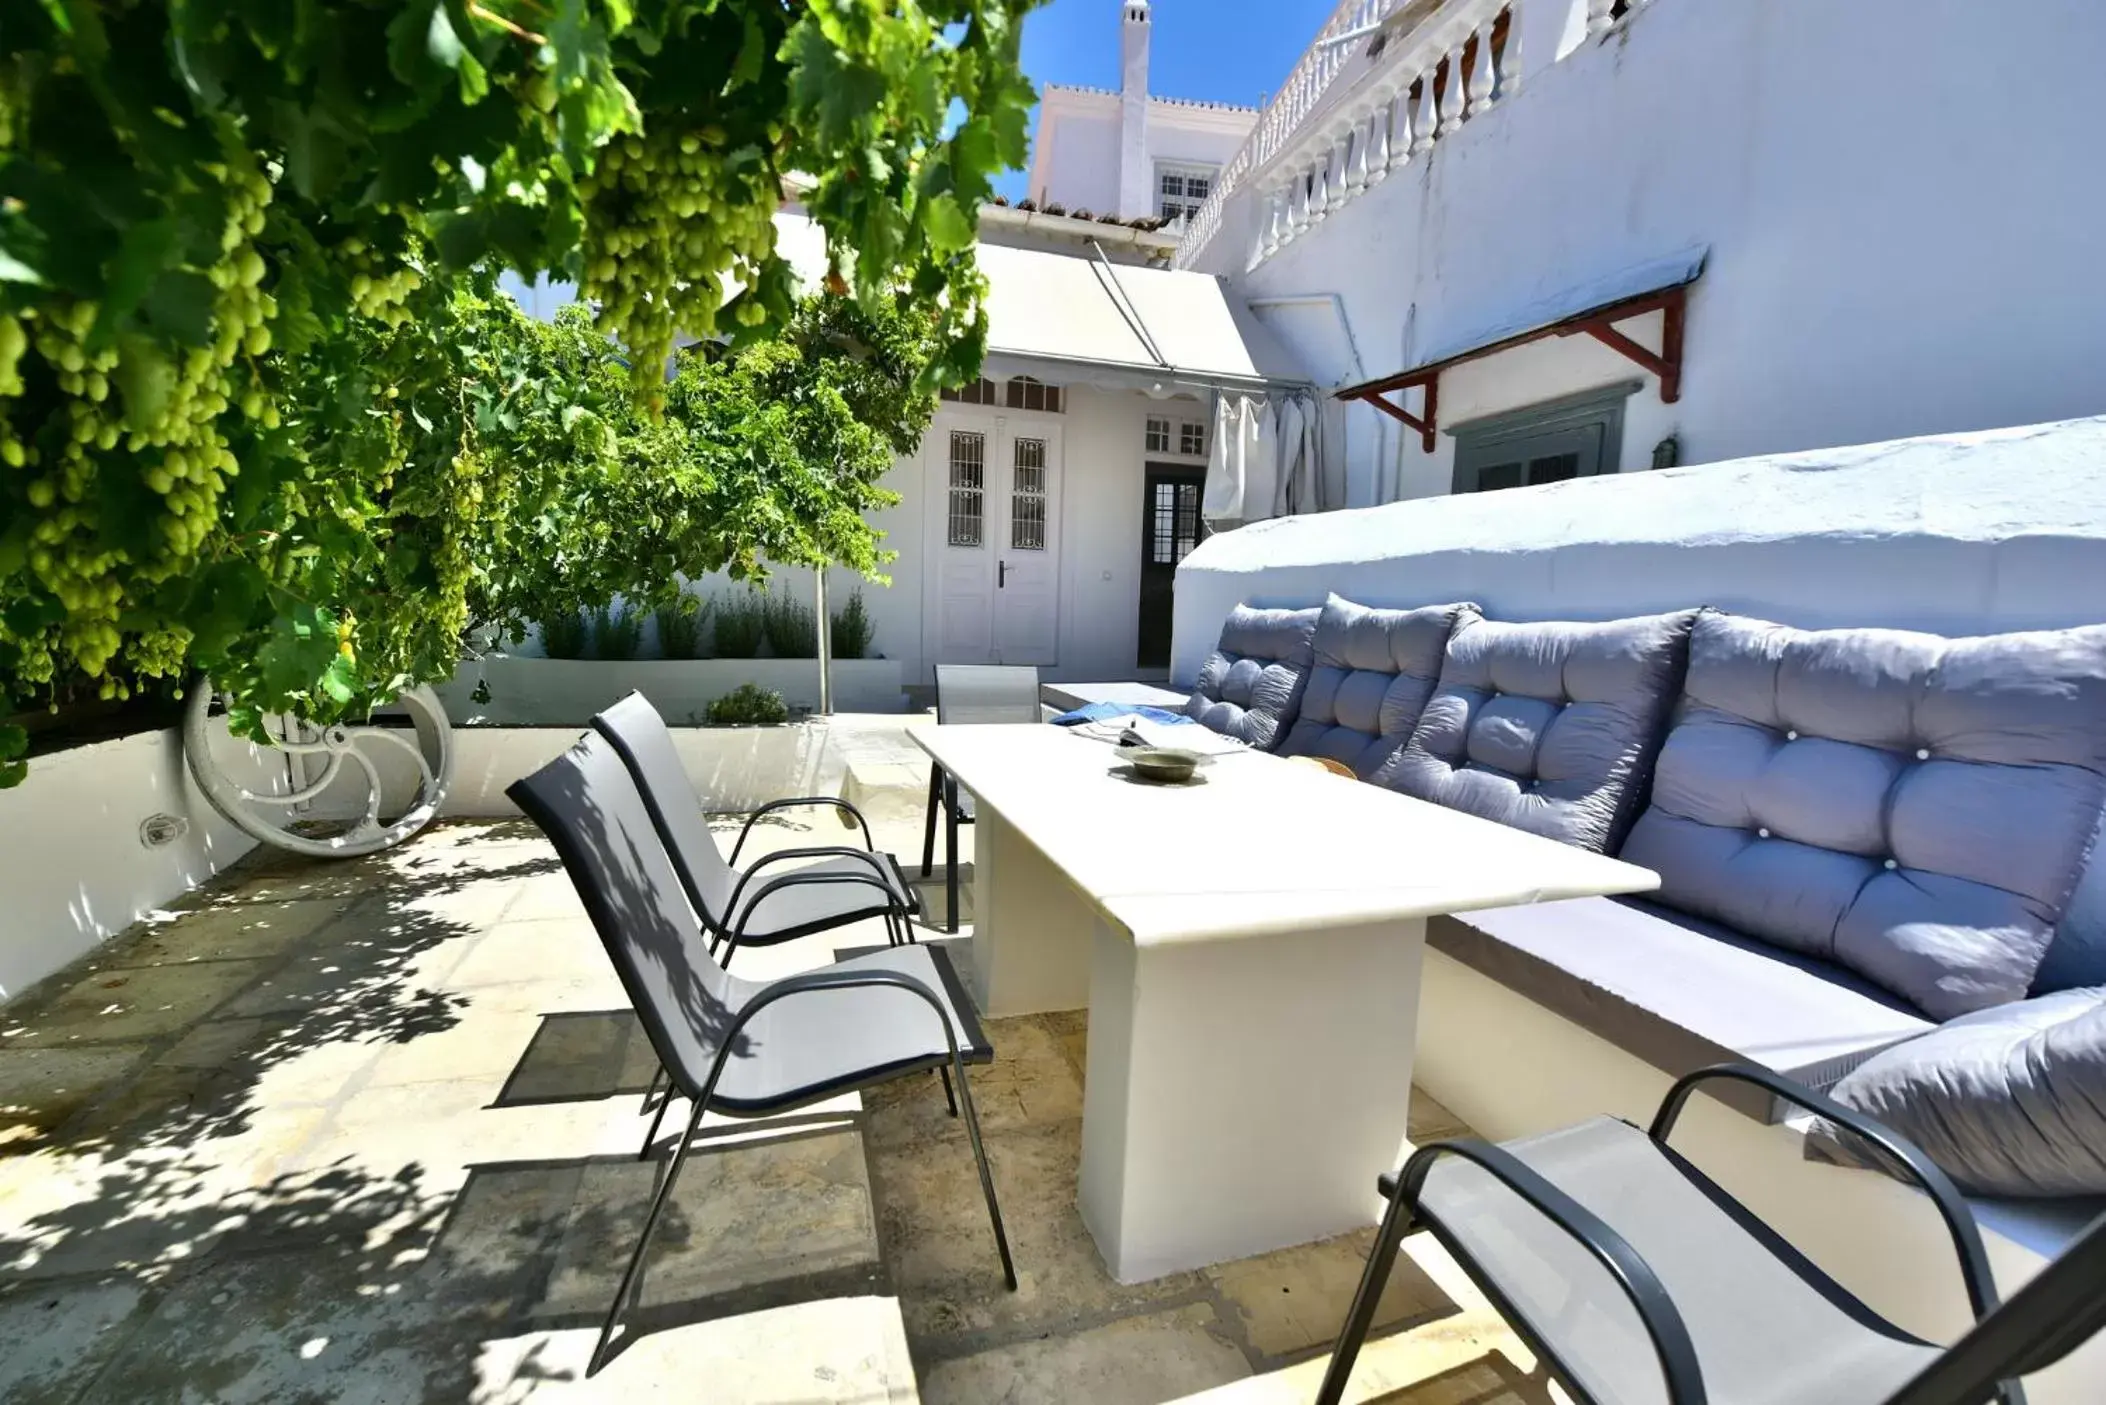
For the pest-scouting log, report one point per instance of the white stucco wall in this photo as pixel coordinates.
(1899, 241)
(1078, 164)
(77, 870)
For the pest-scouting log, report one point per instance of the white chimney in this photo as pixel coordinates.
(1136, 172)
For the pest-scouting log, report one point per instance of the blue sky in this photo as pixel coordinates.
(1217, 50)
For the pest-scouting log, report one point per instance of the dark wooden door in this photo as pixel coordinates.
(1170, 527)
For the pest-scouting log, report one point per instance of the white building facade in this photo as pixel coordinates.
(1560, 237)
(1127, 153)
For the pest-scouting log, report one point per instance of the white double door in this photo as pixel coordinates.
(994, 505)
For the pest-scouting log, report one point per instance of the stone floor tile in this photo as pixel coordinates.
(932, 1220)
(748, 1222)
(225, 933)
(1031, 1083)
(116, 1006)
(338, 1326)
(1293, 1300)
(1428, 1121)
(485, 1044)
(1138, 1361)
(546, 896)
(55, 1337)
(41, 1088)
(845, 1350)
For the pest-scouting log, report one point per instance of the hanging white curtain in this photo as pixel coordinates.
(1243, 465)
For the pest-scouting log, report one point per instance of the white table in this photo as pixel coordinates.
(1249, 951)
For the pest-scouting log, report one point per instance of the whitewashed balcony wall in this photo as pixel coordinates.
(1889, 253)
(1344, 120)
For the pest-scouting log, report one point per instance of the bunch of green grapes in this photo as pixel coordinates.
(379, 289)
(667, 217)
(166, 426)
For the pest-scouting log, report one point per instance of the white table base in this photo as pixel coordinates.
(1031, 928)
(1242, 1096)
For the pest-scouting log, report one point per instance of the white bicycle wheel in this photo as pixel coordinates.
(328, 792)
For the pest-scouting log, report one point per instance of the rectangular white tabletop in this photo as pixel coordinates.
(1259, 845)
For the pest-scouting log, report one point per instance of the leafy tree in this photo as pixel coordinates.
(259, 410)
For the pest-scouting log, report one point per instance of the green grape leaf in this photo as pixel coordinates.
(180, 304)
(340, 680)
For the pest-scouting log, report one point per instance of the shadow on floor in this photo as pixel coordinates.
(1491, 1379)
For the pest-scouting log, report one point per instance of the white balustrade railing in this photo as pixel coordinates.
(1284, 116)
(1313, 152)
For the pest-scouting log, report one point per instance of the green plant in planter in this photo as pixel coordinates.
(852, 629)
(748, 705)
(742, 622)
(565, 634)
(617, 631)
(680, 626)
(792, 629)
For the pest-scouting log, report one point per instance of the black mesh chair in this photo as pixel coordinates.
(733, 1046)
(968, 694)
(1636, 1279)
(836, 886)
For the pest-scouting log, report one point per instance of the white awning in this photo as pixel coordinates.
(1046, 311)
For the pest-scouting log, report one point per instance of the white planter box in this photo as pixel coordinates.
(536, 692)
(733, 768)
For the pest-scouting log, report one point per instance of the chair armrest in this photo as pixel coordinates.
(773, 805)
(1648, 1297)
(802, 880)
(1959, 1220)
(829, 851)
(821, 980)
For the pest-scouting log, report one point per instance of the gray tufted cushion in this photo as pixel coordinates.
(1373, 672)
(1547, 727)
(2008, 1101)
(1912, 807)
(1251, 685)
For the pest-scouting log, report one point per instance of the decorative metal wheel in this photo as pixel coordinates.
(328, 792)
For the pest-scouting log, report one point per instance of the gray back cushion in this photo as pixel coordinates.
(1373, 671)
(1551, 728)
(1251, 685)
(1913, 807)
(2007, 1101)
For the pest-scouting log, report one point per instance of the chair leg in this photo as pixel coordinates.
(644, 1154)
(651, 1091)
(1361, 1315)
(994, 1211)
(948, 1096)
(928, 828)
(643, 1242)
(950, 847)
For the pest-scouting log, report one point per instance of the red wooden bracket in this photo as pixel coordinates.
(1426, 422)
(1666, 363)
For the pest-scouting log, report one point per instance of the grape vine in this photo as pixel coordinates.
(262, 410)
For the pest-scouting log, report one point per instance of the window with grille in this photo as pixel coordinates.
(1181, 190)
(968, 487)
(1158, 435)
(1027, 499)
(979, 392)
(1030, 393)
(1192, 437)
(1174, 525)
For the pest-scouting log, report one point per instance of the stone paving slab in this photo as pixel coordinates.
(128, 1005)
(41, 1088)
(1133, 1361)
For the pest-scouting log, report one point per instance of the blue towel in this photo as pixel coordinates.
(1099, 711)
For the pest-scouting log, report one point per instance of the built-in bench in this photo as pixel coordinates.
(1679, 992)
